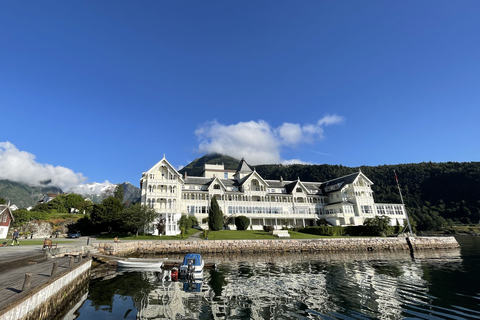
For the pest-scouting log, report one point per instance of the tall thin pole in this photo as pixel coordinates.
(401, 197)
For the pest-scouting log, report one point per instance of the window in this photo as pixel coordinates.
(225, 175)
(367, 209)
(398, 210)
(216, 187)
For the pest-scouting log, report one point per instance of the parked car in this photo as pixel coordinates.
(74, 235)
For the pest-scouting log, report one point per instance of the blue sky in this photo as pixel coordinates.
(101, 90)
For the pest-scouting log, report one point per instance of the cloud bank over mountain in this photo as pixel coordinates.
(21, 166)
(258, 140)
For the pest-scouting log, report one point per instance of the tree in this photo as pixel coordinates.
(379, 225)
(242, 222)
(2, 201)
(107, 214)
(215, 216)
(73, 200)
(161, 225)
(184, 223)
(85, 207)
(137, 217)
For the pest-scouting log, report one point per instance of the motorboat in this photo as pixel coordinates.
(192, 266)
(140, 263)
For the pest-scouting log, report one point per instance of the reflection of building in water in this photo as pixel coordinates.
(295, 286)
(382, 286)
(169, 299)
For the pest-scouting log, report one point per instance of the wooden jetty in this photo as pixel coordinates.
(37, 272)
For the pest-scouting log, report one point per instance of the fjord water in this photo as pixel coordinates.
(431, 285)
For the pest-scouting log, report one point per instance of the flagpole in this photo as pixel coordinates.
(401, 197)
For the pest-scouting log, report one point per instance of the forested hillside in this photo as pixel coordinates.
(433, 192)
(23, 195)
(436, 194)
(195, 168)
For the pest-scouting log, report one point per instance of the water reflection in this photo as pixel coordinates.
(302, 286)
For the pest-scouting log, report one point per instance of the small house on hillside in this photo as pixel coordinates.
(5, 218)
(47, 197)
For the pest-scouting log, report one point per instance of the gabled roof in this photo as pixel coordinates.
(164, 161)
(253, 173)
(289, 187)
(338, 183)
(340, 202)
(3, 208)
(293, 185)
(219, 182)
(243, 167)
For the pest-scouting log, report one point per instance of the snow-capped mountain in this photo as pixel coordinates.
(95, 188)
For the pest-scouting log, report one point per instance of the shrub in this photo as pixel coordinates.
(242, 222)
(324, 230)
(268, 228)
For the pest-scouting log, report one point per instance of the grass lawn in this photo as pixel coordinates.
(148, 237)
(33, 242)
(218, 235)
(255, 235)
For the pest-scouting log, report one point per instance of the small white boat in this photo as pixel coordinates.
(140, 263)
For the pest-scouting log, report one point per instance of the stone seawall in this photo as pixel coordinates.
(287, 245)
(47, 300)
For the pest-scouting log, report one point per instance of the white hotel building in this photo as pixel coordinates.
(343, 201)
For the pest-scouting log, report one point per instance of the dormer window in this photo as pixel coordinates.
(299, 190)
(216, 187)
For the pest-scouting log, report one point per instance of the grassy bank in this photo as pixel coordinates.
(214, 235)
(146, 237)
(255, 235)
(28, 242)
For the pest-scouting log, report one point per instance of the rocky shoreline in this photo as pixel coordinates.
(284, 245)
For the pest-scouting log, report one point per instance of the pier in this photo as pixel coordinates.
(34, 286)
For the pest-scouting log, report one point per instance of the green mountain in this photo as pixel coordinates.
(195, 168)
(23, 195)
(131, 193)
(435, 194)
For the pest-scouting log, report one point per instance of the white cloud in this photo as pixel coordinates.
(330, 119)
(294, 161)
(257, 140)
(20, 166)
(252, 140)
(290, 133)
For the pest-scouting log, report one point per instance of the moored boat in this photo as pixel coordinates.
(140, 263)
(192, 266)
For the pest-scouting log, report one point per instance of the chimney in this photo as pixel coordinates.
(281, 179)
(185, 175)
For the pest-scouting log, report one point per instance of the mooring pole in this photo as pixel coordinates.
(28, 281)
(401, 197)
(54, 268)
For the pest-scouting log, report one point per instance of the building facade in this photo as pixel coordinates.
(343, 201)
(6, 218)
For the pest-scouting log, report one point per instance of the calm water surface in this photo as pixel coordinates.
(433, 285)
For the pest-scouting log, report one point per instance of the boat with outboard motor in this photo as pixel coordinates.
(192, 266)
